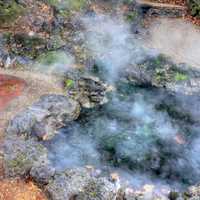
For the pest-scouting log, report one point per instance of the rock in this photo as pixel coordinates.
(79, 184)
(42, 174)
(160, 72)
(88, 90)
(44, 117)
(193, 193)
(20, 155)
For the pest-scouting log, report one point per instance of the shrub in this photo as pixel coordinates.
(194, 7)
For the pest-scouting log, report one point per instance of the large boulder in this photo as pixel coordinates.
(20, 155)
(80, 184)
(160, 72)
(44, 117)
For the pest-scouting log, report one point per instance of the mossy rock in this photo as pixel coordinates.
(19, 165)
(9, 11)
(164, 71)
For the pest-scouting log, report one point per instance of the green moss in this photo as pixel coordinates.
(73, 5)
(164, 71)
(131, 16)
(20, 161)
(69, 83)
(9, 11)
(180, 76)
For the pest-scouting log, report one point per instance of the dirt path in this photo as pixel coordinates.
(176, 38)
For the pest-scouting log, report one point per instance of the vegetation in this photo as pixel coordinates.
(69, 5)
(131, 16)
(69, 83)
(180, 76)
(194, 7)
(9, 11)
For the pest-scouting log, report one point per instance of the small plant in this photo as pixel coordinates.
(9, 11)
(180, 77)
(194, 7)
(131, 16)
(69, 83)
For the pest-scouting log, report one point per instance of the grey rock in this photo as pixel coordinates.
(193, 193)
(20, 155)
(160, 72)
(45, 117)
(79, 184)
(89, 91)
(42, 173)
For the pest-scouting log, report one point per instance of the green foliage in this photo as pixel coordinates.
(75, 5)
(69, 83)
(194, 7)
(180, 76)
(9, 11)
(131, 16)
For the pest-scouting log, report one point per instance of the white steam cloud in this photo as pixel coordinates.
(112, 44)
(135, 130)
(176, 38)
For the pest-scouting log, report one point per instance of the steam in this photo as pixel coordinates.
(128, 132)
(54, 62)
(183, 44)
(72, 149)
(112, 45)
